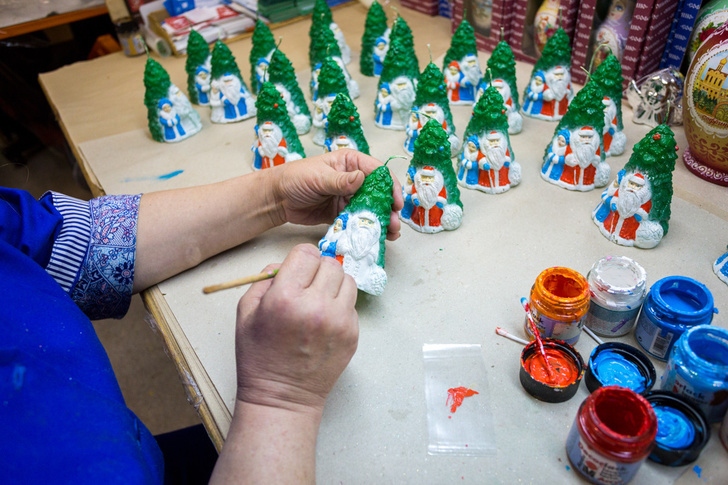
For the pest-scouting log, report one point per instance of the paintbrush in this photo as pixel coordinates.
(510, 336)
(241, 281)
(593, 335)
(537, 336)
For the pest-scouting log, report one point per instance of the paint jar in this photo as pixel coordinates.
(682, 429)
(698, 370)
(559, 302)
(567, 368)
(618, 364)
(130, 37)
(612, 435)
(618, 285)
(673, 305)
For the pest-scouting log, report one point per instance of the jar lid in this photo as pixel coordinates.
(616, 363)
(682, 429)
(566, 363)
(682, 300)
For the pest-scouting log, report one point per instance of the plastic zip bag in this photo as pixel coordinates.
(468, 430)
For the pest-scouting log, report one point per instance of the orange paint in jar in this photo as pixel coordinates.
(559, 302)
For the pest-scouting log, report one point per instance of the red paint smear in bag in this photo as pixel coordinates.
(456, 395)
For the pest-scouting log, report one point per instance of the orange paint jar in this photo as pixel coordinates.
(559, 302)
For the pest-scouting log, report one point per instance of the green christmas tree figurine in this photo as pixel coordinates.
(331, 82)
(549, 89)
(356, 239)
(635, 208)
(502, 68)
(198, 69)
(396, 89)
(260, 54)
(323, 46)
(575, 158)
(374, 42)
(282, 75)
(276, 139)
(461, 66)
(170, 115)
(487, 162)
(432, 198)
(402, 36)
(321, 16)
(431, 103)
(230, 98)
(343, 128)
(609, 76)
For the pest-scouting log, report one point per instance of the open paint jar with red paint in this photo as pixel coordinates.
(618, 364)
(558, 383)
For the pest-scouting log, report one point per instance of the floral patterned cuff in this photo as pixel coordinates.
(104, 285)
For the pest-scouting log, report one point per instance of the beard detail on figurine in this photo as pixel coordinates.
(582, 164)
(271, 148)
(548, 95)
(394, 102)
(614, 139)
(230, 101)
(431, 213)
(461, 79)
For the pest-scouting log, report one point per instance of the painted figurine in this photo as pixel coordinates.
(356, 239)
(609, 76)
(374, 41)
(341, 41)
(171, 117)
(433, 193)
(431, 103)
(321, 16)
(635, 208)
(396, 91)
(502, 69)
(323, 45)
(230, 98)
(343, 127)
(261, 51)
(198, 69)
(721, 268)
(276, 139)
(574, 159)
(487, 162)
(461, 66)
(331, 83)
(545, 23)
(549, 89)
(613, 32)
(282, 75)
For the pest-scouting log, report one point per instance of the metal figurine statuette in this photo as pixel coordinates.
(657, 98)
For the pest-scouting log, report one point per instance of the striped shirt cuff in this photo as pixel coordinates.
(71, 246)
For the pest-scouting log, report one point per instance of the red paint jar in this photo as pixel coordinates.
(613, 433)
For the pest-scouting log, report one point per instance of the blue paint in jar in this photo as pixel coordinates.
(698, 370)
(674, 429)
(612, 369)
(673, 305)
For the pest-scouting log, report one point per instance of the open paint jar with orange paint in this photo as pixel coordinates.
(561, 381)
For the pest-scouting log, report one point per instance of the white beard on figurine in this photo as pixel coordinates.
(470, 67)
(428, 188)
(584, 145)
(360, 247)
(341, 41)
(322, 106)
(300, 121)
(634, 192)
(351, 84)
(189, 117)
(270, 138)
(495, 153)
(230, 88)
(515, 120)
(619, 139)
(558, 80)
(403, 97)
(429, 183)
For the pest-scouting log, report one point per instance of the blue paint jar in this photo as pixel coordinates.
(673, 305)
(618, 364)
(698, 370)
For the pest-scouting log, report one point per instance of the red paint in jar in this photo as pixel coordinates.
(613, 433)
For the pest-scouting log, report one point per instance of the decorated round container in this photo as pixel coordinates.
(673, 305)
(698, 370)
(559, 302)
(612, 435)
(618, 285)
(567, 370)
(682, 429)
(618, 364)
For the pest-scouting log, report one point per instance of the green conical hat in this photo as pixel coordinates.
(343, 119)
(197, 53)
(281, 71)
(609, 76)
(586, 109)
(375, 195)
(431, 88)
(263, 44)
(556, 52)
(271, 107)
(655, 155)
(331, 79)
(401, 36)
(323, 45)
(157, 83)
(462, 44)
(488, 115)
(374, 27)
(502, 65)
(432, 148)
(223, 62)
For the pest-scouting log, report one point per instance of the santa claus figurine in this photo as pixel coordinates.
(461, 67)
(230, 98)
(434, 193)
(549, 90)
(276, 139)
(635, 209)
